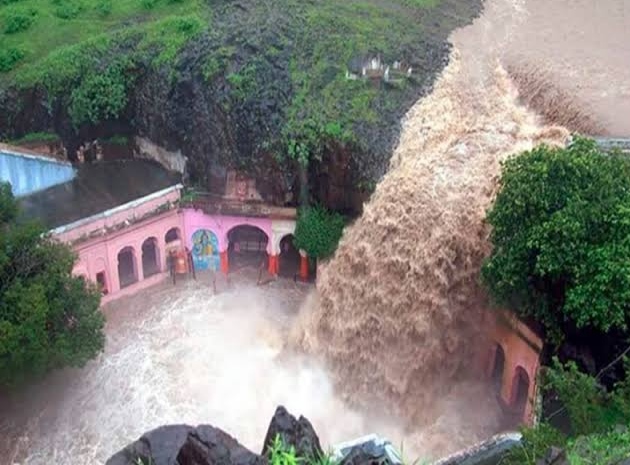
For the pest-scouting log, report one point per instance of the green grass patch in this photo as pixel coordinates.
(43, 137)
(53, 25)
(116, 140)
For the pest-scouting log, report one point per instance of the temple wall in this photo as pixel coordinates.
(100, 255)
(111, 219)
(32, 173)
(521, 348)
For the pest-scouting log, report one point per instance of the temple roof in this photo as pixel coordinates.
(96, 188)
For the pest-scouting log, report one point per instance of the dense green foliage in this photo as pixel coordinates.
(100, 96)
(284, 454)
(18, 19)
(599, 420)
(10, 57)
(277, 69)
(74, 46)
(48, 318)
(561, 237)
(318, 231)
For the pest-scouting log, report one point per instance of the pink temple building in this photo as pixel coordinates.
(126, 224)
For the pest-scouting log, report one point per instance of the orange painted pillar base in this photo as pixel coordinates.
(225, 265)
(303, 267)
(274, 265)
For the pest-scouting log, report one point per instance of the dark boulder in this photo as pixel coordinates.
(208, 445)
(185, 445)
(361, 456)
(158, 447)
(297, 433)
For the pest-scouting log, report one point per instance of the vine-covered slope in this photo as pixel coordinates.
(255, 84)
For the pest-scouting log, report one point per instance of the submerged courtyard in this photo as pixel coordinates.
(184, 353)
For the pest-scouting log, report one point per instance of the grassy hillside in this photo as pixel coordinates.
(35, 28)
(241, 82)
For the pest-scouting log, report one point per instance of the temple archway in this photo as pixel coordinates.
(150, 259)
(173, 235)
(247, 246)
(205, 250)
(520, 390)
(289, 265)
(127, 267)
(498, 367)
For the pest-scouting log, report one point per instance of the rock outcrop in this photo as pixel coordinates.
(207, 445)
(299, 433)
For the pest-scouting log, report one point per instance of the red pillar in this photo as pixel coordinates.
(274, 265)
(303, 267)
(225, 266)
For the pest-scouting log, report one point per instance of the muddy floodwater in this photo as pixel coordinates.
(175, 355)
(184, 355)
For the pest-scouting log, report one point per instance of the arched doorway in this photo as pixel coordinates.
(173, 235)
(127, 267)
(289, 257)
(498, 367)
(520, 387)
(150, 259)
(247, 247)
(205, 250)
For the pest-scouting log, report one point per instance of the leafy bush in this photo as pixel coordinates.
(67, 9)
(561, 223)
(148, 4)
(9, 58)
(591, 409)
(534, 445)
(48, 318)
(283, 454)
(594, 414)
(609, 448)
(18, 20)
(100, 96)
(169, 35)
(318, 231)
(104, 7)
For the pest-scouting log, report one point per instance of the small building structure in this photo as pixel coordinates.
(511, 362)
(126, 221)
(29, 172)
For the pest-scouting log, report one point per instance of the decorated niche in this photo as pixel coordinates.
(205, 250)
(241, 187)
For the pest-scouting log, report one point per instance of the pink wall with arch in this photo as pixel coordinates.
(100, 255)
(521, 349)
(128, 227)
(220, 225)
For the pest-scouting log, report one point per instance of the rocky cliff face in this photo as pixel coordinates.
(253, 85)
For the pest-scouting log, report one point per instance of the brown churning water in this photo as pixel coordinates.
(397, 311)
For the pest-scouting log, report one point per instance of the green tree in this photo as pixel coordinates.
(48, 318)
(561, 237)
(318, 231)
(597, 417)
(100, 96)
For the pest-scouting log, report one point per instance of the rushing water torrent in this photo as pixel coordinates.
(400, 303)
(394, 326)
(182, 355)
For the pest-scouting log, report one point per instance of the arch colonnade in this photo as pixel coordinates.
(134, 257)
(511, 363)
